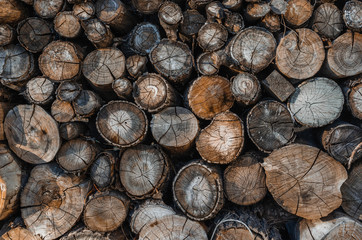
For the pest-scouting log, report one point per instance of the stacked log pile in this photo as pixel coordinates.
(174, 119)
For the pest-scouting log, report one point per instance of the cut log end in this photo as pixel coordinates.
(246, 89)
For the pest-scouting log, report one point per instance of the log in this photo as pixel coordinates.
(102, 171)
(184, 128)
(173, 227)
(253, 48)
(298, 12)
(84, 10)
(198, 191)
(222, 140)
(98, 33)
(352, 15)
(12, 177)
(71, 130)
(67, 25)
(344, 58)
(234, 22)
(60, 61)
(172, 60)
(256, 11)
(270, 125)
(354, 98)
(4, 109)
(76, 155)
(87, 103)
(12, 11)
(215, 12)
(143, 171)
(316, 102)
(32, 134)
(192, 22)
(271, 22)
(147, 6)
(48, 8)
(246, 89)
(122, 123)
(195, 4)
(208, 63)
(144, 37)
(304, 180)
(39, 90)
(102, 66)
(99, 212)
(352, 193)
(244, 180)
(19, 233)
(278, 6)
(279, 87)
(68, 91)
(170, 15)
(123, 88)
(84, 233)
(209, 95)
(233, 5)
(136, 65)
(116, 15)
(153, 93)
(62, 111)
(149, 212)
(212, 36)
(327, 21)
(52, 201)
(300, 54)
(7, 34)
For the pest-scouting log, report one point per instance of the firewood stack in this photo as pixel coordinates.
(174, 119)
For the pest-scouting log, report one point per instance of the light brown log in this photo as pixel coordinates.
(106, 211)
(271, 22)
(172, 60)
(102, 66)
(67, 25)
(246, 89)
(298, 12)
(256, 11)
(19, 233)
(12, 11)
(354, 98)
(144, 37)
(209, 95)
(153, 93)
(68, 91)
(61, 61)
(300, 54)
(84, 10)
(62, 111)
(147, 6)
(136, 65)
(32, 133)
(143, 170)
(39, 90)
(212, 36)
(352, 193)
(97, 32)
(7, 34)
(352, 15)
(123, 88)
(327, 21)
(304, 180)
(244, 180)
(122, 123)
(175, 128)
(222, 140)
(234, 22)
(84, 233)
(279, 87)
(77, 155)
(102, 171)
(173, 227)
(253, 48)
(87, 103)
(192, 22)
(198, 191)
(48, 8)
(316, 102)
(71, 130)
(170, 15)
(4, 109)
(52, 201)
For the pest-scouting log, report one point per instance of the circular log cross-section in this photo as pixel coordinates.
(122, 123)
(144, 37)
(97, 32)
(87, 103)
(352, 193)
(170, 15)
(208, 63)
(39, 90)
(34, 34)
(68, 91)
(52, 201)
(173, 60)
(19, 233)
(76, 155)
(7, 34)
(246, 88)
(270, 125)
(147, 6)
(222, 141)
(255, 11)
(212, 37)
(352, 15)
(48, 8)
(103, 169)
(198, 191)
(175, 128)
(153, 93)
(210, 95)
(60, 61)
(105, 212)
(298, 12)
(316, 102)
(271, 22)
(102, 66)
(143, 169)
(244, 180)
(327, 21)
(253, 48)
(136, 65)
(62, 111)
(32, 134)
(67, 25)
(304, 180)
(84, 10)
(300, 54)
(173, 227)
(123, 88)
(354, 99)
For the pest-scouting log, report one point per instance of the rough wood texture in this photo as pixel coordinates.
(278, 6)
(153, 93)
(143, 170)
(300, 54)
(170, 15)
(304, 180)
(39, 90)
(234, 22)
(208, 63)
(32, 134)
(209, 95)
(12, 11)
(327, 21)
(102, 171)
(67, 25)
(255, 11)
(278, 86)
(136, 65)
(232, 4)
(191, 22)
(7, 34)
(298, 12)
(97, 32)
(84, 10)
(147, 6)
(122, 123)
(352, 15)
(62, 111)
(48, 8)
(105, 212)
(212, 37)
(316, 102)
(144, 37)
(4, 109)
(87, 103)
(71, 130)
(246, 89)
(271, 21)
(52, 201)
(244, 180)
(123, 88)
(270, 125)
(198, 191)
(19, 233)
(354, 98)
(86, 234)
(175, 128)
(222, 141)
(68, 91)
(102, 66)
